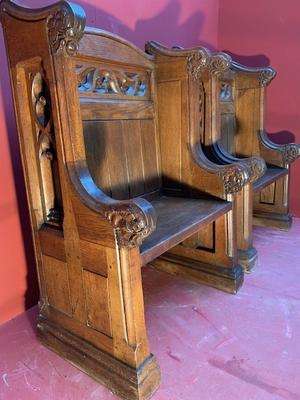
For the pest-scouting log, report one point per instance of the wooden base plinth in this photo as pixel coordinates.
(247, 259)
(121, 379)
(273, 220)
(226, 279)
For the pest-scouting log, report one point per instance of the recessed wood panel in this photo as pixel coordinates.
(267, 195)
(93, 257)
(57, 284)
(122, 156)
(169, 98)
(97, 302)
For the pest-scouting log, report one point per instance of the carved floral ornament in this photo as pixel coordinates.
(234, 178)
(290, 153)
(258, 167)
(130, 224)
(266, 76)
(65, 29)
(220, 63)
(108, 81)
(196, 62)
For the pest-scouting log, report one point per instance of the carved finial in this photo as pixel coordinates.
(234, 178)
(258, 167)
(266, 75)
(196, 62)
(220, 63)
(290, 153)
(66, 28)
(131, 225)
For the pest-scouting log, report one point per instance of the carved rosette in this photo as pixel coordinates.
(131, 225)
(266, 76)
(258, 167)
(196, 62)
(290, 153)
(234, 178)
(220, 63)
(65, 29)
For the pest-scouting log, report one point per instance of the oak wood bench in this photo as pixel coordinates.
(205, 86)
(116, 176)
(242, 92)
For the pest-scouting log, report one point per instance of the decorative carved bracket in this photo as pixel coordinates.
(290, 153)
(66, 28)
(196, 63)
(234, 178)
(131, 224)
(266, 75)
(220, 63)
(258, 167)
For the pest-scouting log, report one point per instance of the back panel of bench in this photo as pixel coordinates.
(119, 118)
(240, 106)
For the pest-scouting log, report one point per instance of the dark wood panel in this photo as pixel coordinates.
(170, 132)
(150, 155)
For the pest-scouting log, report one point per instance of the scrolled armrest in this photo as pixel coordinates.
(265, 74)
(256, 164)
(289, 152)
(132, 220)
(234, 176)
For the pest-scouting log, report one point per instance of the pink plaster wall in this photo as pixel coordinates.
(182, 22)
(260, 32)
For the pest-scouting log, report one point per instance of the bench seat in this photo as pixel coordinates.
(272, 174)
(177, 219)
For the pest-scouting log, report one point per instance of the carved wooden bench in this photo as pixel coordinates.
(241, 91)
(206, 78)
(116, 176)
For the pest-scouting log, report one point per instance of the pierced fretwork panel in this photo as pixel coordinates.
(112, 80)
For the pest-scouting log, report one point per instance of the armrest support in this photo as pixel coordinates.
(234, 175)
(132, 220)
(265, 74)
(287, 152)
(256, 164)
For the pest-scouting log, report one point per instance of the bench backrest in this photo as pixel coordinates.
(117, 103)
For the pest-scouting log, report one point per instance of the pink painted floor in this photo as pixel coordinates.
(210, 345)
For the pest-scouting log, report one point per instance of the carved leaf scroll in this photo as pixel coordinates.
(65, 29)
(108, 81)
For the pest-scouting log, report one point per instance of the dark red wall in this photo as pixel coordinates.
(181, 22)
(260, 32)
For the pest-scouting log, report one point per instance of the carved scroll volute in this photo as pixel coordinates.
(131, 224)
(266, 76)
(234, 178)
(290, 153)
(220, 63)
(66, 28)
(197, 62)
